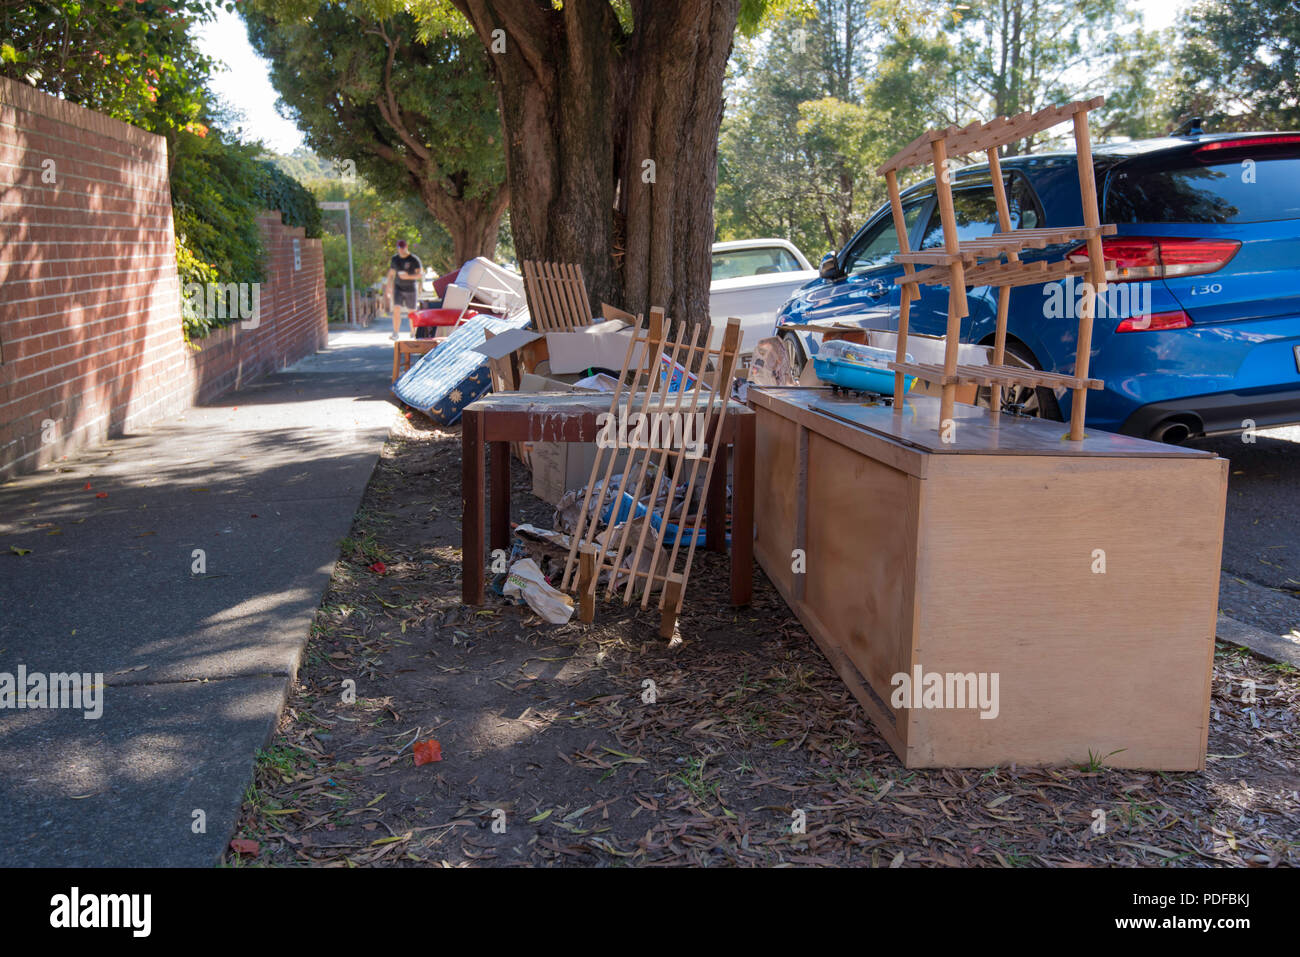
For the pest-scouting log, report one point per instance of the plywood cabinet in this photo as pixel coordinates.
(1082, 574)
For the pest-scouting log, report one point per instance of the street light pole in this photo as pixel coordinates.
(350, 310)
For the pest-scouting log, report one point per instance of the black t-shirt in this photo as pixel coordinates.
(408, 263)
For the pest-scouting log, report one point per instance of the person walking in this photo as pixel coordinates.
(405, 271)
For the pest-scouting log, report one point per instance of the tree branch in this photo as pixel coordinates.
(387, 104)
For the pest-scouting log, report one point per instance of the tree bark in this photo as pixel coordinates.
(472, 224)
(611, 139)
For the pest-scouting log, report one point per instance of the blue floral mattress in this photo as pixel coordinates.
(453, 375)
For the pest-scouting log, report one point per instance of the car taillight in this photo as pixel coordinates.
(1191, 257)
(1159, 257)
(1134, 258)
(1160, 320)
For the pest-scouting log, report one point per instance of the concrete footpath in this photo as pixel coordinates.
(191, 586)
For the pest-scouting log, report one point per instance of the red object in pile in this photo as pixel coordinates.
(446, 279)
(438, 317)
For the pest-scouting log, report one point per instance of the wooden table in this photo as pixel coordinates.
(1085, 575)
(403, 349)
(498, 420)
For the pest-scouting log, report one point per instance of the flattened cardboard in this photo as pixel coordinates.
(500, 346)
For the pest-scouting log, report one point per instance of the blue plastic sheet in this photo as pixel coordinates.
(625, 506)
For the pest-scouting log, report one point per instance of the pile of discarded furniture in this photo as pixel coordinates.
(992, 588)
(535, 375)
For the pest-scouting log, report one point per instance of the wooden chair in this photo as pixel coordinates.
(557, 296)
(995, 260)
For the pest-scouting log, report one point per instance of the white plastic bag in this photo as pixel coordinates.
(525, 580)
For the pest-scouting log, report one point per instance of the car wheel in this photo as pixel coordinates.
(1039, 402)
(794, 354)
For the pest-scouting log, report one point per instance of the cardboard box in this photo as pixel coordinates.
(560, 466)
(602, 345)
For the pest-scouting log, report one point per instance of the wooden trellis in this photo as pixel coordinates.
(995, 260)
(557, 296)
(600, 546)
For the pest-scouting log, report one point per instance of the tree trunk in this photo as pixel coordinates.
(674, 73)
(478, 237)
(611, 140)
(473, 225)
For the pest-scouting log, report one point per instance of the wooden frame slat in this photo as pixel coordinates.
(995, 260)
(557, 296)
(981, 137)
(1004, 243)
(589, 556)
(993, 375)
(656, 319)
(651, 392)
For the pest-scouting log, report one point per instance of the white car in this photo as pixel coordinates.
(752, 279)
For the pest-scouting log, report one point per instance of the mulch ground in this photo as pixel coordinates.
(601, 745)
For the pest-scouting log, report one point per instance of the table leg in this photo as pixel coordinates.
(396, 353)
(471, 514)
(742, 512)
(499, 509)
(715, 505)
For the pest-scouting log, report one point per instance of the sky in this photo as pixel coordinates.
(245, 83)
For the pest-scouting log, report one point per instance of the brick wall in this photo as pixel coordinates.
(291, 324)
(90, 330)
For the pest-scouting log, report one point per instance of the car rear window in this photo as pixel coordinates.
(753, 262)
(1241, 191)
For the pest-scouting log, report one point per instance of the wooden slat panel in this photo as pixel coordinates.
(557, 296)
(980, 137)
(728, 355)
(1000, 274)
(601, 458)
(1009, 243)
(657, 396)
(934, 257)
(995, 135)
(573, 296)
(533, 291)
(553, 304)
(993, 375)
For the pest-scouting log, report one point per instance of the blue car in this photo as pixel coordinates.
(1198, 332)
